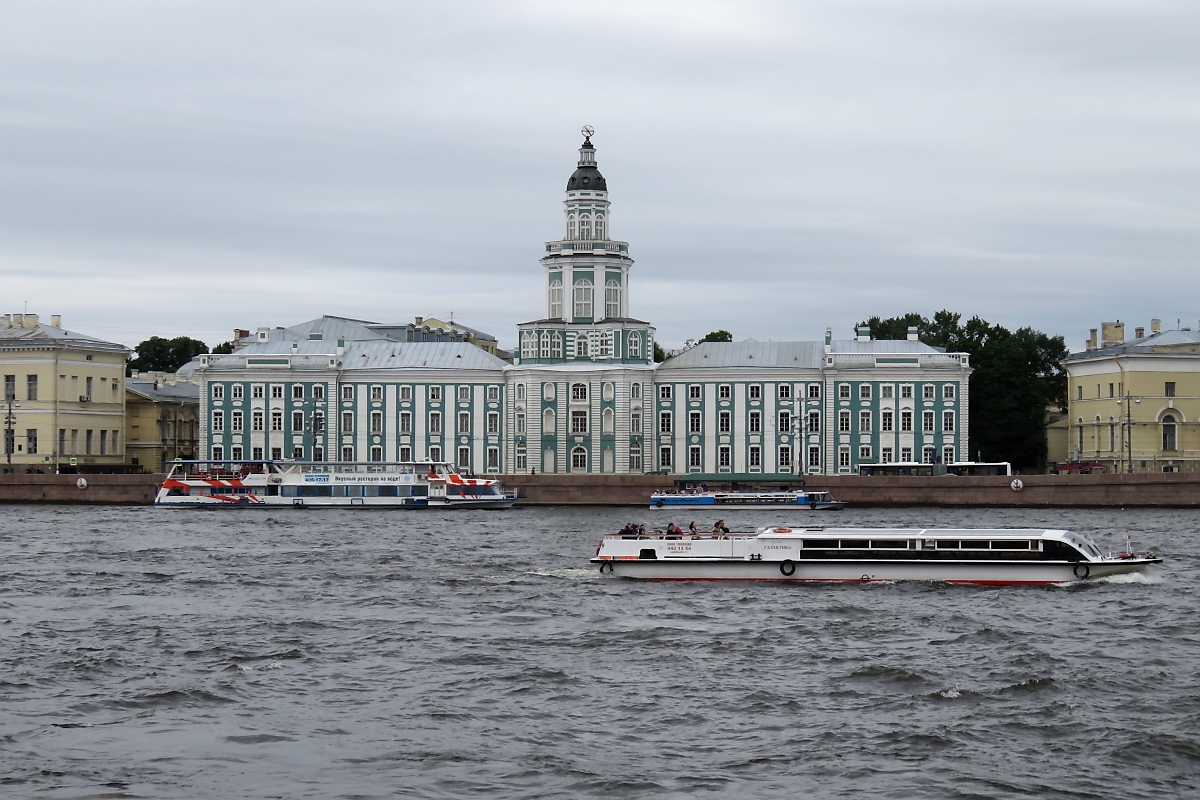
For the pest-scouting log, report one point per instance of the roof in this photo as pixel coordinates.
(376, 354)
(169, 391)
(752, 353)
(1165, 343)
(43, 335)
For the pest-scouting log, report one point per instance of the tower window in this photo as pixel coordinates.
(585, 227)
(612, 299)
(583, 298)
(556, 299)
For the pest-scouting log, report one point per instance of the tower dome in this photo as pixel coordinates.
(587, 176)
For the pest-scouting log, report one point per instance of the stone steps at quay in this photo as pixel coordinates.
(1165, 490)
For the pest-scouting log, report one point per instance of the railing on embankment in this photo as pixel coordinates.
(115, 489)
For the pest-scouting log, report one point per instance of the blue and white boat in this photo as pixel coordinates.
(805, 501)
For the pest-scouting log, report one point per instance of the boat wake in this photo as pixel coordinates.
(570, 573)
(1130, 577)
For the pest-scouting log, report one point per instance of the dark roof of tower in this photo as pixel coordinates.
(588, 177)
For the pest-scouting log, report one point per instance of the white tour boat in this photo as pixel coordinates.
(997, 556)
(797, 500)
(372, 484)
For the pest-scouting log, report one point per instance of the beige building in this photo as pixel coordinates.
(64, 398)
(1134, 405)
(161, 420)
(484, 341)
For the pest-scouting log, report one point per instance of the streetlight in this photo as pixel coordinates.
(10, 441)
(1129, 428)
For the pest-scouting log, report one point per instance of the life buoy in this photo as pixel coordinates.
(1082, 571)
(1017, 485)
(787, 567)
(658, 503)
(81, 483)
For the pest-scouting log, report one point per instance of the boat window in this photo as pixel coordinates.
(819, 544)
(889, 544)
(1010, 545)
(854, 544)
(946, 544)
(975, 544)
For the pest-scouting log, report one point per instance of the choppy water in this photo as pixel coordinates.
(340, 654)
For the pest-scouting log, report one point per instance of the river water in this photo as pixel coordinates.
(152, 653)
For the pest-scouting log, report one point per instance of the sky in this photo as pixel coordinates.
(187, 168)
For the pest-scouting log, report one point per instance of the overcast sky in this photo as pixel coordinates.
(173, 168)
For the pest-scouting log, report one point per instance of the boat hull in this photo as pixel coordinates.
(976, 572)
(832, 505)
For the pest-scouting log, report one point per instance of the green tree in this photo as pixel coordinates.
(1016, 375)
(717, 336)
(157, 354)
(660, 355)
(224, 348)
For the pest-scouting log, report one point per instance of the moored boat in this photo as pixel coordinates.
(372, 484)
(997, 556)
(798, 500)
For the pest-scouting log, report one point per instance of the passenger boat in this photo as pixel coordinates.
(997, 556)
(798, 500)
(372, 484)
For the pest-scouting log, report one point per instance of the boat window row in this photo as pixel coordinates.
(928, 544)
(351, 491)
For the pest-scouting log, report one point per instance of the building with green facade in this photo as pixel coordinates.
(583, 393)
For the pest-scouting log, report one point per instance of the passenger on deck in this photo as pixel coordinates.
(628, 530)
(673, 531)
(692, 528)
(720, 527)
(641, 530)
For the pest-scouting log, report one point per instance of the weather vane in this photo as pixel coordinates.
(587, 131)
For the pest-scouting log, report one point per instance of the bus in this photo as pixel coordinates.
(954, 468)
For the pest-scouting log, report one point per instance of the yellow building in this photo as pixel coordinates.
(1135, 406)
(64, 397)
(484, 341)
(161, 420)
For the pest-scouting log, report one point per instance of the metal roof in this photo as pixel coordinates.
(419, 355)
(176, 392)
(1166, 342)
(778, 355)
(43, 335)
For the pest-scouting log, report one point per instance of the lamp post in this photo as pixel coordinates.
(10, 441)
(1129, 401)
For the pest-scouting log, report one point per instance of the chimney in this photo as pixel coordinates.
(1091, 342)
(419, 321)
(1112, 333)
(56, 320)
(1139, 333)
(864, 333)
(239, 333)
(912, 333)
(30, 320)
(1155, 326)
(8, 320)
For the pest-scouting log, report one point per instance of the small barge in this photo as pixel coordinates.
(998, 556)
(792, 501)
(371, 484)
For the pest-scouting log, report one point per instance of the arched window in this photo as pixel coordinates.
(1168, 432)
(599, 226)
(556, 300)
(585, 227)
(583, 299)
(1096, 434)
(556, 346)
(579, 460)
(571, 227)
(545, 345)
(548, 422)
(528, 344)
(1112, 435)
(635, 345)
(606, 421)
(612, 299)
(1079, 437)
(579, 392)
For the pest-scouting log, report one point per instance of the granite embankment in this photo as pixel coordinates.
(1137, 490)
